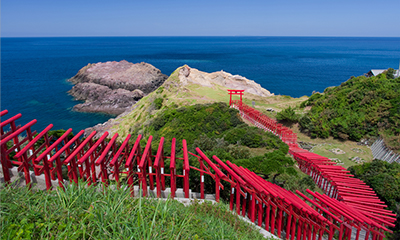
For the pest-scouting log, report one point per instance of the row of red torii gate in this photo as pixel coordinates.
(349, 209)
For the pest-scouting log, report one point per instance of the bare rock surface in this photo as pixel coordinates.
(192, 75)
(113, 87)
(99, 98)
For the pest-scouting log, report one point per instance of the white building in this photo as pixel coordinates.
(375, 72)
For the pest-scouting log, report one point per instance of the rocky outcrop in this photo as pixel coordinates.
(99, 98)
(192, 75)
(113, 87)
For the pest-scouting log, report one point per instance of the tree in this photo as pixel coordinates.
(390, 73)
(269, 165)
(288, 115)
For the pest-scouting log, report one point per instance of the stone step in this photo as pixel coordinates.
(18, 179)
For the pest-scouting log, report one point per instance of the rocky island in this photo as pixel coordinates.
(113, 87)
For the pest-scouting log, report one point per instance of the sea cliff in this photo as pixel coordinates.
(113, 87)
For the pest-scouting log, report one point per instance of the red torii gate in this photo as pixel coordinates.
(235, 92)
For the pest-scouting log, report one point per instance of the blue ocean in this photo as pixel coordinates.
(34, 71)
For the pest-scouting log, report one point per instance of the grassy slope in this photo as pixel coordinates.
(174, 94)
(358, 108)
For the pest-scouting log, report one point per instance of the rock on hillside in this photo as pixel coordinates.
(113, 87)
(192, 75)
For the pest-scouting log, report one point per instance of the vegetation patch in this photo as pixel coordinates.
(287, 115)
(357, 108)
(158, 103)
(189, 122)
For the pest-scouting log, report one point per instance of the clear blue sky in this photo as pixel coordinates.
(37, 18)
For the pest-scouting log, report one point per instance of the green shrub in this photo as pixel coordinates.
(287, 115)
(158, 103)
(218, 130)
(247, 136)
(357, 108)
(390, 73)
(293, 182)
(276, 143)
(311, 100)
(239, 152)
(160, 90)
(273, 163)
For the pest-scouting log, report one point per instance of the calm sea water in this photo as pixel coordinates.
(34, 70)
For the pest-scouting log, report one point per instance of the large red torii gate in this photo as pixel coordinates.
(235, 92)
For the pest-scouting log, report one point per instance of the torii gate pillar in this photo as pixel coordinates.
(235, 92)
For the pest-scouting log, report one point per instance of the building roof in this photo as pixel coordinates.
(375, 72)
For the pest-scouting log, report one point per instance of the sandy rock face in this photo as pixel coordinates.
(192, 75)
(112, 87)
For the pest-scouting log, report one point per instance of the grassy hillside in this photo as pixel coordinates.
(173, 94)
(360, 107)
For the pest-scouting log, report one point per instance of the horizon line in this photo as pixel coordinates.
(200, 36)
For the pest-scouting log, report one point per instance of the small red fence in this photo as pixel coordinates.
(109, 160)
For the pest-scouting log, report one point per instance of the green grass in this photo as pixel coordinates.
(83, 212)
(324, 145)
(323, 150)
